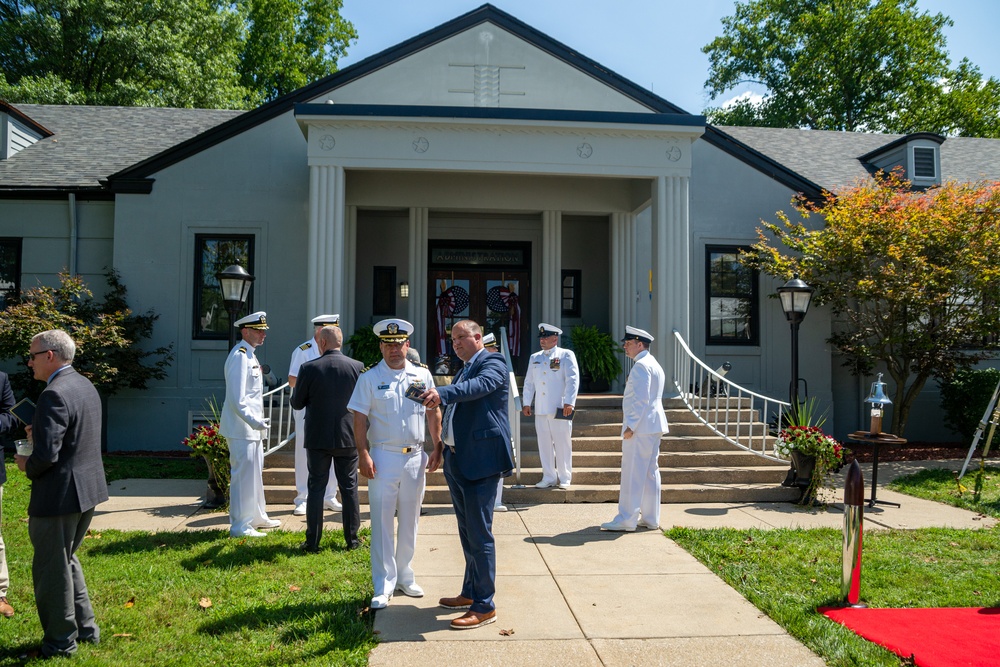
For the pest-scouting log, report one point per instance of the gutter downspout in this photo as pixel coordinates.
(74, 234)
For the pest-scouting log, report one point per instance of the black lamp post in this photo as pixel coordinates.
(795, 296)
(235, 283)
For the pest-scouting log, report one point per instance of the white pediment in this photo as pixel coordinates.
(483, 66)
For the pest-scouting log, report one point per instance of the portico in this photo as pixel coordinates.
(543, 166)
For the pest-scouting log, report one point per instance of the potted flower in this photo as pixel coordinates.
(207, 442)
(814, 455)
(597, 354)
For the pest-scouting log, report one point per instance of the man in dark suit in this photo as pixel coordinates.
(8, 423)
(67, 482)
(475, 444)
(323, 388)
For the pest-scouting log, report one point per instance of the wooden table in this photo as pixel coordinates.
(876, 441)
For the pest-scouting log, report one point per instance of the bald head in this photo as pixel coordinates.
(330, 338)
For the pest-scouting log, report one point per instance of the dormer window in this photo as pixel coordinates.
(918, 155)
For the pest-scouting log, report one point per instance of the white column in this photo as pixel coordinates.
(552, 268)
(623, 276)
(671, 268)
(416, 276)
(326, 287)
(348, 318)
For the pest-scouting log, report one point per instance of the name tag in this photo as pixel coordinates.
(383, 386)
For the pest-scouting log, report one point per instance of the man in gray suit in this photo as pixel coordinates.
(67, 482)
(323, 388)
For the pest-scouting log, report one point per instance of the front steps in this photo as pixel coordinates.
(696, 466)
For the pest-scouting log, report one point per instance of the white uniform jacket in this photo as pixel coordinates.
(642, 403)
(552, 381)
(308, 351)
(243, 411)
(393, 419)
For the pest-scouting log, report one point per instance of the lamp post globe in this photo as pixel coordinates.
(235, 283)
(795, 296)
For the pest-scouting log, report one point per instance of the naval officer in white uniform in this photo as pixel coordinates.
(552, 382)
(244, 426)
(308, 351)
(389, 434)
(644, 423)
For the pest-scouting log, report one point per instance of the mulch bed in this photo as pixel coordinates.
(923, 451)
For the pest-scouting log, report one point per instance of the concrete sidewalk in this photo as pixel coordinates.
(568, 593)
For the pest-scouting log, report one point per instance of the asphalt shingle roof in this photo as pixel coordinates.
(91, 143)
(830, 159)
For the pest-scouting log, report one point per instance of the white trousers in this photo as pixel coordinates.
(640, 487)
(246, 489)
(398, 488)
(555, 448)
(4, 579)
(302, 469)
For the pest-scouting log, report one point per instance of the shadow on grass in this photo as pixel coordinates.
(343, 623)
(118, 542)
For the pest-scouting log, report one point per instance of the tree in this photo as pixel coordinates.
(177, 53)
(856, 65)
(107, 334)
(911, 277)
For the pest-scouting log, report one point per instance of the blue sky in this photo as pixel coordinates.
(654, 43)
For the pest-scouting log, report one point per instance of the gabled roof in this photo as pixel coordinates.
(391, 55)
(88, 143)
(833, 160)
(15, 112)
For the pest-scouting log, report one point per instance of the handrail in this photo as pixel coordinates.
(513, 407)
(282, 429)
(736, 414)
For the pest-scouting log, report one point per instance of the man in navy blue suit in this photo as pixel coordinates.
(475, 445)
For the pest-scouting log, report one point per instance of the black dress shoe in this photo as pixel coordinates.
(305, 547)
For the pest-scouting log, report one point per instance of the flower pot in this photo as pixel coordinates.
(215, 495)
(804, 465)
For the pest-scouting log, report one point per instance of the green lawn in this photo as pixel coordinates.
(787, 574)
(943, 486)
(269, 605)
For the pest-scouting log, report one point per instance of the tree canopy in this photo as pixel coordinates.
(177, 53)
(856, 65)
(911, 277)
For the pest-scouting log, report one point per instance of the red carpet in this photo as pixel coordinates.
(945, 637)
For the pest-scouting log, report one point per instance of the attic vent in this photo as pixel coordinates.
(923, 163)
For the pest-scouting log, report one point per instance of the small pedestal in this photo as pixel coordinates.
(875, 441)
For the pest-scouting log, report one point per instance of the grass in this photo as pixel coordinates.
(787, 574)
(942, 486)
(269, 604)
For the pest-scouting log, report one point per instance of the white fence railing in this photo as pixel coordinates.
(739, 415)
(277, 407)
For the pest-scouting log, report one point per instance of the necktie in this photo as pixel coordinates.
(450, 409)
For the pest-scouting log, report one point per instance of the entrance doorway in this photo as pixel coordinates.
(487, 282)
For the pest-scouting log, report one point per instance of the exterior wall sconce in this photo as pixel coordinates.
(404, 290)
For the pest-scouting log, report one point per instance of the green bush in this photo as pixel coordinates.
(596, 352)
(363, 346)
(964, 399)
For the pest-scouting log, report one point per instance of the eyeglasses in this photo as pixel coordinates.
(35, 354)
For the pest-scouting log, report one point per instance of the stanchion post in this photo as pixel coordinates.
(854, 499)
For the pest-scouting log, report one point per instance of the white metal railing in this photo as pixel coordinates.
(739, 415)
(277, 407)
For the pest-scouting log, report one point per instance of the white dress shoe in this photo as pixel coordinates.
(300, 509)
(545, 484)
(379, 602)
(500, 508)
(413, 590)
(564, 485)
(616, 527)
(248, 533)
(270, 523)
(651, 526)
(333, 505)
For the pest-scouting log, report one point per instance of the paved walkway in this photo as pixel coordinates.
(568, 593)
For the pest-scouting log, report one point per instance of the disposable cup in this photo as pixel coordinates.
(24, 447)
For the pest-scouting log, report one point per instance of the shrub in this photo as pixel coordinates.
(964, 398)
